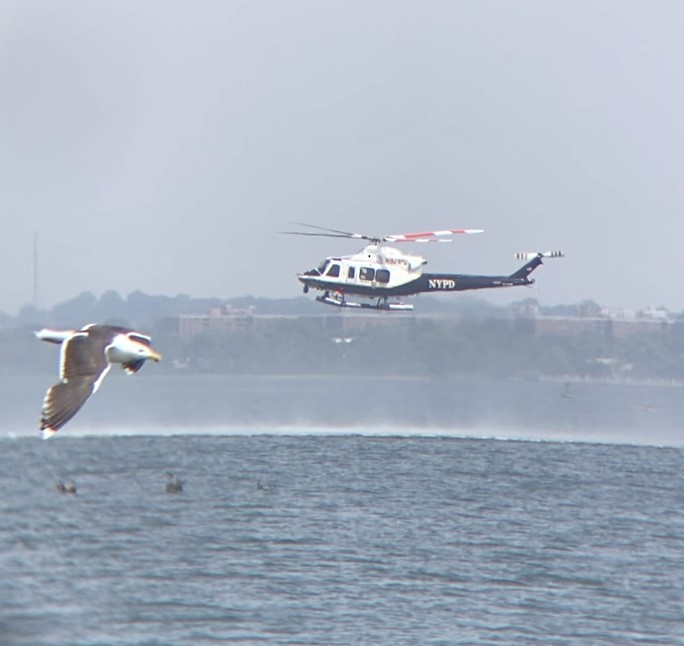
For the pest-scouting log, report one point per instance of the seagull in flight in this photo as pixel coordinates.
(85, 359)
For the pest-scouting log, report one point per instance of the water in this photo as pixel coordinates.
(386, 524)
(354, 540)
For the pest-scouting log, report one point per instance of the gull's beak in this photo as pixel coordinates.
(154, 356)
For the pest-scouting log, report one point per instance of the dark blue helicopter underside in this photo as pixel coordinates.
(422, 284)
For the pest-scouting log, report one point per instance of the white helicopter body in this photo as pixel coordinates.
(382, 272)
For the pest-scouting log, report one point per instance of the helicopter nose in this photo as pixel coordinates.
(304, 279)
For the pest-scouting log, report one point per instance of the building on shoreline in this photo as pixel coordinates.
(527, 320)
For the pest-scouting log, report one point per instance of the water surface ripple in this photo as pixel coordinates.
(340, 540)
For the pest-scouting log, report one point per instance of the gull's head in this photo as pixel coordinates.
(123, 349)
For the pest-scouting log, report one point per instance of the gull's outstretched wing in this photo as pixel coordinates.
(83, 365)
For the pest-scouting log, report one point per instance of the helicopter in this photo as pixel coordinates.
(380, 272)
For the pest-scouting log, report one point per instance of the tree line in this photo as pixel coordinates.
(480, 342)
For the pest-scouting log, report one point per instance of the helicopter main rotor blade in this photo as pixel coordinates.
(318, 235)
(426, 240)
(331, 233)
(346, 234)
(423, 236)
(428, 236)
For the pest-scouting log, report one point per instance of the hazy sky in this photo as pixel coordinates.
(160, 145)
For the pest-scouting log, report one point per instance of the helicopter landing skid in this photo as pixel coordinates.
(381, 304)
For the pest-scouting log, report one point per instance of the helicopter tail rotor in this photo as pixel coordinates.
(528, 255)
(533, 261)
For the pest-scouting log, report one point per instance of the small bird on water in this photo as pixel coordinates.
(173, 484)
(85, 359)
(261, 486)
(68, 487)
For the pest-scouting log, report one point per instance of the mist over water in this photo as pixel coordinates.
(218, 404)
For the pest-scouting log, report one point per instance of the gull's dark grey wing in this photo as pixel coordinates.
(83, 355)
(83, 365)
(62, 401)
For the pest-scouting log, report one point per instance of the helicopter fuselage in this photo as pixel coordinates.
(384, 272)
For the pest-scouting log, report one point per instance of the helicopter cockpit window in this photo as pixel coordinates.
(352, 272)
(366, 273)
(382, 275)
(322, 267)
(334, 271)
